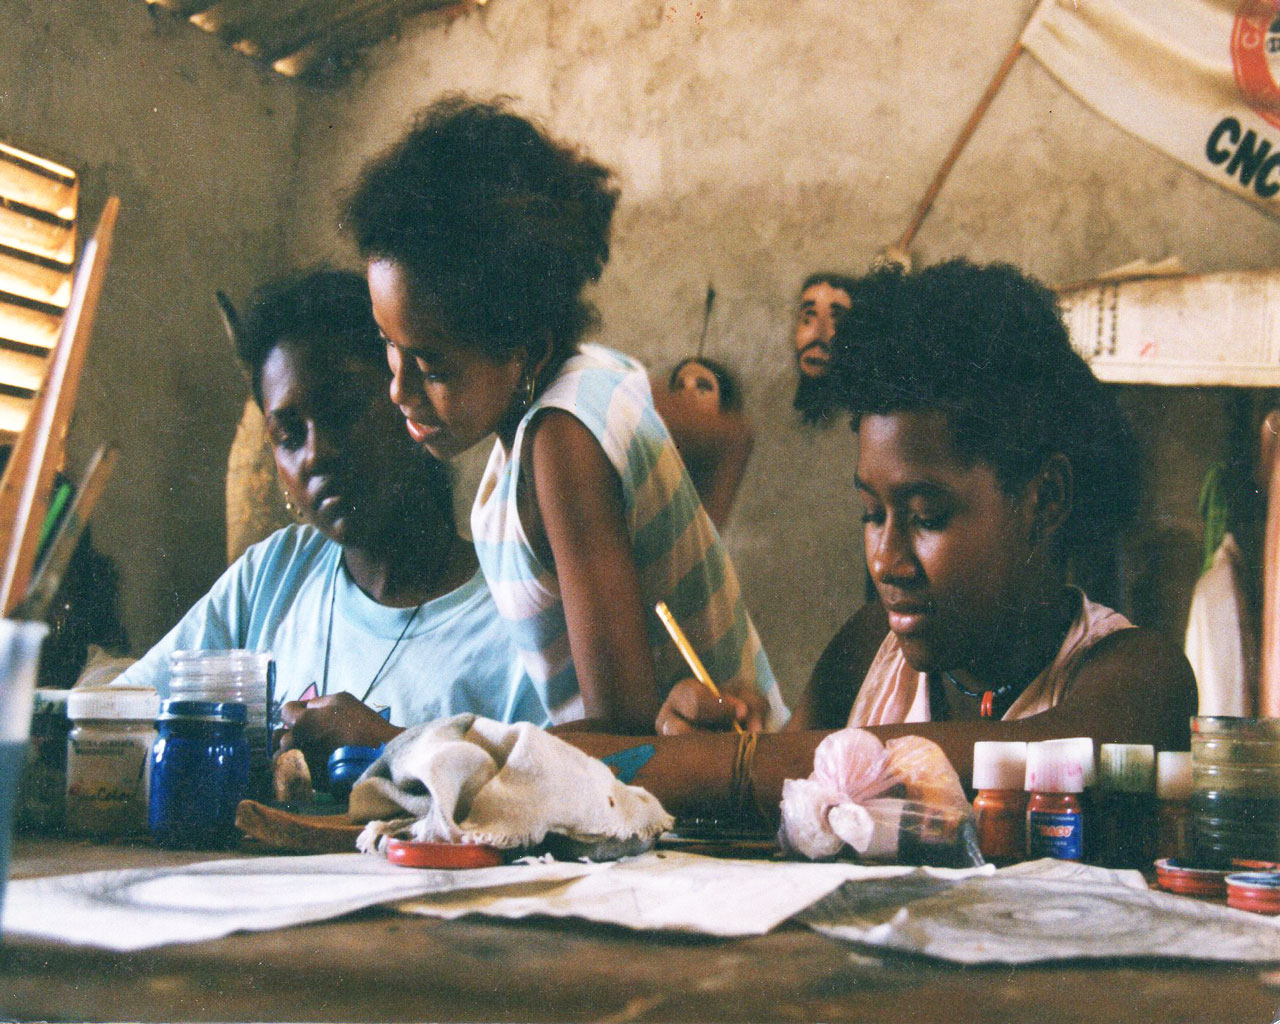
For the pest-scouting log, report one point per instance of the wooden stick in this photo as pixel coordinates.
(1268, 695)
(302, 833)
(904, 243)
(706, 317)
(28, 479)
(686, 650)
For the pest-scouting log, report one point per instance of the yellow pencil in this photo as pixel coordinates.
(686, 650)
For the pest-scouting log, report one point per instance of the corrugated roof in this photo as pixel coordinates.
(313, 39)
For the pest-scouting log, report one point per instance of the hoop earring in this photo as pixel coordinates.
(524, 394)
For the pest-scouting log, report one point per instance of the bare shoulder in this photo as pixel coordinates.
(838, 675)
(1146, 683)
(1138, 654)
(558, 429)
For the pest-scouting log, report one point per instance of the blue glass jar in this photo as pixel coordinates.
(199, 773)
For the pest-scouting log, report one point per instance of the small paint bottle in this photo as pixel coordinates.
(1127, 805)
(108, 756)
(1055, 819)
(1173, 804)
(1000, 806)
(1080, 750)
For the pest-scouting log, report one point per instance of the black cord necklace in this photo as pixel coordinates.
(333, 590)
(987, 708)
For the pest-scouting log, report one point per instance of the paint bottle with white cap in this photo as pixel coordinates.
(1127, 804)
(1173, 804)
(108, 751)
(1055, 818)
(1000, 806)
(1081, 750)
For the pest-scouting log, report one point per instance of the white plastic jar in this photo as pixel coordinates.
(108, 759)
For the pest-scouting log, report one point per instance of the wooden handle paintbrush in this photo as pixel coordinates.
(39, 598)
(688, 653)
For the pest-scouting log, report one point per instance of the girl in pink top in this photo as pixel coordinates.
(987, 454)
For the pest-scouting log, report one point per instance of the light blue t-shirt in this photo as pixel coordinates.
(456, 656)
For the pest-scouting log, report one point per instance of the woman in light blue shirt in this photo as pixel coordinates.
(372, 605)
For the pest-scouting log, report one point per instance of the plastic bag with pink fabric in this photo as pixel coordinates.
(899, 802)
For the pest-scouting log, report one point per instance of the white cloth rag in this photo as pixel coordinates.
(468, 779)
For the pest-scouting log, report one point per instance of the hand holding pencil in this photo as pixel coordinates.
(679, 719)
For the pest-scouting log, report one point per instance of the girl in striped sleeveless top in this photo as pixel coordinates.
(480, 234)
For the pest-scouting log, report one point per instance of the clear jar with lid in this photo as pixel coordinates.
(1235, 802)
(244, 676)
(108, 753)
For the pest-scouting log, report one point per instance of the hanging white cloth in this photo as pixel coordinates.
(1222, 637)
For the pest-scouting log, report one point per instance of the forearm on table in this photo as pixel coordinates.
(692, 774)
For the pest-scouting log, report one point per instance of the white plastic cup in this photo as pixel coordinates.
(19, 659)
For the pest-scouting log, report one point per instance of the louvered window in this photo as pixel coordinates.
(37, 254)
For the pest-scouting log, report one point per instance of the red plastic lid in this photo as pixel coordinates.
(1175, 876)
(1258, 891)
(443, 855)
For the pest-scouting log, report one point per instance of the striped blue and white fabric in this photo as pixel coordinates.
(679, 556)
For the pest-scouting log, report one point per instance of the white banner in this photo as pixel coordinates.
(1207, 329)
(1195, 78)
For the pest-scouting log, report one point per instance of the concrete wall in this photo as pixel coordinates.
(198, 143)
(756, 141)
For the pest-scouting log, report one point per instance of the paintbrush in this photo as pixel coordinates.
(39, 598)
(688, 653)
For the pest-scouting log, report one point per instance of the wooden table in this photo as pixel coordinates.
(382, 966)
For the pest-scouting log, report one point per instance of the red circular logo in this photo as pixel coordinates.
(1255, 56)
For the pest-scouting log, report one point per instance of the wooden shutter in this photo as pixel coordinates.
(38, 202)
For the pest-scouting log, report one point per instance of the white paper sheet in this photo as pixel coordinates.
(669, 890)
(136, 909)
(1045, 910)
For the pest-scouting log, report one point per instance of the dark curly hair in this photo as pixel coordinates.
(986, 346)
(328, 312)
(501, 226)
(730, 394)
(323, 308)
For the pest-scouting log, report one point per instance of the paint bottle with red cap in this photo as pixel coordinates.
(1055, 819)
